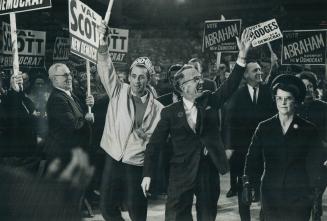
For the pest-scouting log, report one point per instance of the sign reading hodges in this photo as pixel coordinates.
(304, 47)
(118, 44)
(31, 47)
(265, 32)
(84, 37)
(220, 36)
(8, 6)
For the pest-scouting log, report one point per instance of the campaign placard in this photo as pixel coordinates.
(9, 6)
(61, 49)
(84, 37)
(118, 46)
(304, 47)
(265, 32)
(31, 47)
(220, 35)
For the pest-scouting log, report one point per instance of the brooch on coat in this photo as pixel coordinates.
(180, 114)
(295, 126)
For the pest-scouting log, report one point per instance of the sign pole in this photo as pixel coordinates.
(89, 115)
(13, 31)
(219, 53)
(88, 79)
(108, 13)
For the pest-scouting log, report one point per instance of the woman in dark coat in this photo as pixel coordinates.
(291, 149)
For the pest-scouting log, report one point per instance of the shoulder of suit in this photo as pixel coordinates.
(303, 122)
(268, 121)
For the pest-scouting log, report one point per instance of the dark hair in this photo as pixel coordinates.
(310, 76)
(180, 75)
(172, 69)
(291, 88)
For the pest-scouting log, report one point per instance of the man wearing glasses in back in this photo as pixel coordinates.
(68, 128)
(197, 156)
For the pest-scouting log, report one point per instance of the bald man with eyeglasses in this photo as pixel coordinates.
(68, 127)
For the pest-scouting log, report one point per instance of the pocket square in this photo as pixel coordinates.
(208, 107)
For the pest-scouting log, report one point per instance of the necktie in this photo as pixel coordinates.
(254, 95)
(198, 119)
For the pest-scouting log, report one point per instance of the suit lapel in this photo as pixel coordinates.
(74, 104)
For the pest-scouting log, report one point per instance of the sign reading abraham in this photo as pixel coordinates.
(220, 36)
(9, 6)
(304, 47)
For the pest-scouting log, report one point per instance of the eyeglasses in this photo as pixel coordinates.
(195, 79)
(287, 99)
(66, 75)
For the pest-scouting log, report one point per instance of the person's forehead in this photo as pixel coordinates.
(253, 65)
(283, 93)
(63, 69)
(190, 73)
(306, 81)
(39, 80)
(139, 70)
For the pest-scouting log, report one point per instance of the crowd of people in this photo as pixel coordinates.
(268, 129)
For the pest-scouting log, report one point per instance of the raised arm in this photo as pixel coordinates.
(226, 90)
(105, 66)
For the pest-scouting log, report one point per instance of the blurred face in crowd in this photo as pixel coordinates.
(192, 84)
(310, 92)
(253, 74)
(26, 80)
(285, 102)
(62, 78)
(122, 76)
(138, 80)
(39, 84)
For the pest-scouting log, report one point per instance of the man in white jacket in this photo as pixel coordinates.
(131, 118)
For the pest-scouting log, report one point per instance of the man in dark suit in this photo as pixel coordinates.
(68, 127)
(198, 155)
(251, 104)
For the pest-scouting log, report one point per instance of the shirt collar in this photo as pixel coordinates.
(188, 104)
(143, 98)
(67, 92)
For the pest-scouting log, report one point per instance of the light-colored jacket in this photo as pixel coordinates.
(118, 139)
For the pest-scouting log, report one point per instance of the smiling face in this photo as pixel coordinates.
(138, 80)
(191, 84)
(62, 78)
(253, 74)
(285, 102)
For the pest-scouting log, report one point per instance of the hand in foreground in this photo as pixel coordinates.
(146, 186)
(89, 101)
(77, 173)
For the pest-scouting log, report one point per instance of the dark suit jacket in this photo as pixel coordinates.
(188, 146)
(292, 161)
(209, 85)
(21, 125)
(67, 126)
(244, 116)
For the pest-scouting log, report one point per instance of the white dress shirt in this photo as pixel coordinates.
(251, 91)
